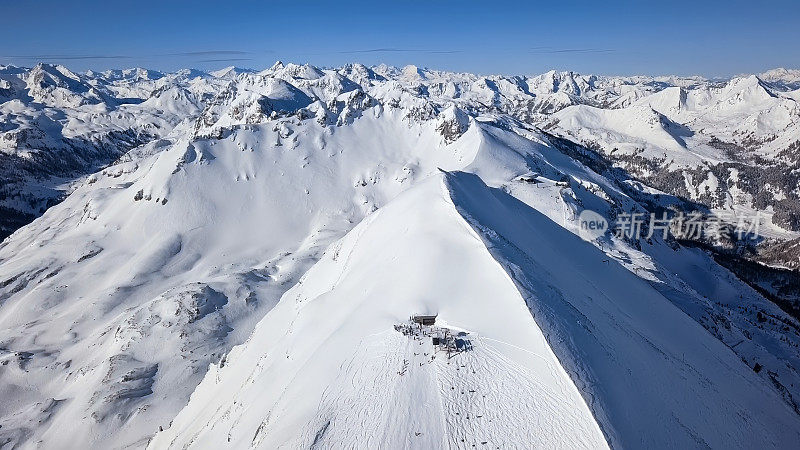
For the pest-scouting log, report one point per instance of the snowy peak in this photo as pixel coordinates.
(230, 72)
(45, 75)
(788, 79)
(552, 82)
(452, 123)
(244, 103)
(339, 328)
(748, 90)
(340, 346)
(304, 72)
(133, 75)
(670, 101)
(413, 73)
(292, 71)
(277, 66)
(56, 85)
(361, 74)
(190, 74)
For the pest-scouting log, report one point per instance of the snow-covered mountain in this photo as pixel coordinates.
(57, 126)
(325, 367)
(725, 143)
(228, 259)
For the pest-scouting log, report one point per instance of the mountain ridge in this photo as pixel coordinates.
(194, 202)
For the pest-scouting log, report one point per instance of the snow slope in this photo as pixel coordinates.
(216, 231)
(745, 111)
(324, 367)
(653, 376)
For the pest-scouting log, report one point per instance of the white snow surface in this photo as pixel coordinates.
(331, 375)
(322, 368)
(254, 254)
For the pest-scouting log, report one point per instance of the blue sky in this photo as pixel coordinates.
(711, 38)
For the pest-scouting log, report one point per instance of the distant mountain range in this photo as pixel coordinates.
(220, 259)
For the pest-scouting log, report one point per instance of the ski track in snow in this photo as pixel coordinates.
(314, 375)
(478, 398)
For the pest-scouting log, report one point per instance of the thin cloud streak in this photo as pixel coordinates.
(551, 50)
(68, 57)
(208, 53)
(397, 50)
(224, 60)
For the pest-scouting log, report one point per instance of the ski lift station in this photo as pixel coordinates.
(422, 326)
(426, 320)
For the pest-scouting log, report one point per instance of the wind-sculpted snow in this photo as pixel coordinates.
(653, 377)
(192, 203)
